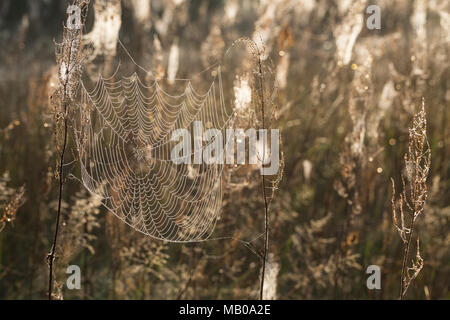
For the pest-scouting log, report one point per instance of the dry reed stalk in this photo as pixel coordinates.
(69, 60)
(264, 104)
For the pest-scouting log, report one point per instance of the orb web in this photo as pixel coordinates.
(123, 138)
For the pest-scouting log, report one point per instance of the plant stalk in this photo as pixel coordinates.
(405, 260)
(51, 255)
(266, 206)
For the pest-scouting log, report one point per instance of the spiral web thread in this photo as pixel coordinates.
(124, 144)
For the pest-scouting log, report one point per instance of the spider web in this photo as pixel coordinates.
(124, 142)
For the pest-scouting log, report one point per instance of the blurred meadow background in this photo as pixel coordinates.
(346, 98)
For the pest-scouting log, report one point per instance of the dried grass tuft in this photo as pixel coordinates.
(411, 202)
